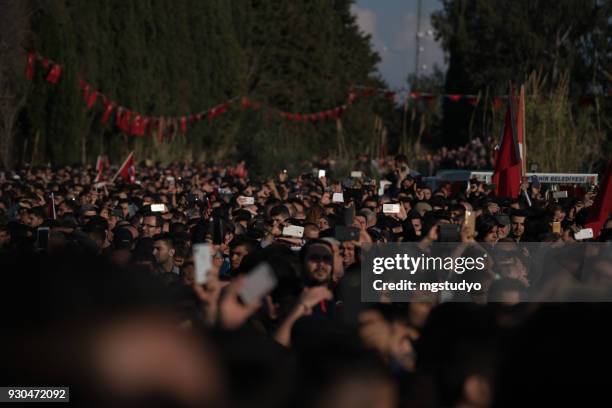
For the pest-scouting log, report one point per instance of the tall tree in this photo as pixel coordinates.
(492, 42)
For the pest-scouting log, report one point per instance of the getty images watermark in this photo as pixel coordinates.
(407, 264)
(479, 272)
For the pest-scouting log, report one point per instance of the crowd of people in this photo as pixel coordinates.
(100, 289)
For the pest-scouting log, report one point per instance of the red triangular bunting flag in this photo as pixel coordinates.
(124, 122)
(108, 109)
(30, 65)
(54, 74)
(92, 99)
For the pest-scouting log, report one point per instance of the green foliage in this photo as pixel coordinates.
(490, 43)
(559, 138)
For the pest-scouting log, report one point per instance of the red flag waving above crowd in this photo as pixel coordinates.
(507, 173)
(101, 166)
(602, 207)
(127, 171)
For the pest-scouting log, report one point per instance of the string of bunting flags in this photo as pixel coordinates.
(135, 123)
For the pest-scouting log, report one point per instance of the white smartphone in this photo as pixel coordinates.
(381, 189)
(356, 174)
(158, 208)
(560, 194)
(248, 200)
(202, 261)
(338, 198)
(321, 173)
(294, 231)
(171, 181)
(585, 233)
(391, 208)
(258, 283)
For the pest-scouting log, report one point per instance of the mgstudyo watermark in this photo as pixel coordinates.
(480, 272)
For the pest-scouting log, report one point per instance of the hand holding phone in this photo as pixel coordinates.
(470, 223)
(158, 208)
(391, 208)
(585, 233)
(203, 262)
(294, 231)
(258, 283)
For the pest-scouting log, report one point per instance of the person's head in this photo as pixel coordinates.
(517, 221)
(369, 215)
(360, 221)
(487, 228)
(317, 262)
(163, 249)
(311, 231)
(86, 212)
(504, 226)
(558, 213)
(124, 206)
(36, 217)
(417, 225)
(279, 214)
(239, 248)
(348, 253)
(151, 225)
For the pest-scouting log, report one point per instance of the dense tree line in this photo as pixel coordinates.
(172, 58)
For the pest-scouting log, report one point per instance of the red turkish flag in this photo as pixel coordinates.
(127, 171)
(137, 128)
(183, 125)
(108, 109)
(92, 99)
(454, 97)
(507, 173)
(602, 207)
(54, 74)
(124, 121)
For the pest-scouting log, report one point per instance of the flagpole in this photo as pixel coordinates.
(53, 205)
(120, 167)
(523, 137)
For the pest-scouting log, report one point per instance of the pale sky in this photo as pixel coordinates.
(392, 24)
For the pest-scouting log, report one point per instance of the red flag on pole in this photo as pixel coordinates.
(127, 171)
(520, 130)
(101, 166)
(602, 207)
(507, 173)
